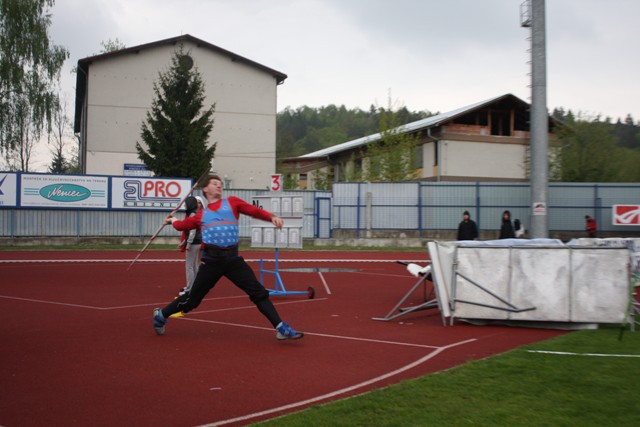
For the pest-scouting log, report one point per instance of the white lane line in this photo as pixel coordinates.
(341, 391)
(51, 302)
(252, 306)
(119, 307)
(62, 261)
(36, 261)
(567, 353)
(324, 282)
(343, 337)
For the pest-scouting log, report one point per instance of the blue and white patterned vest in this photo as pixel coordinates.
(220, 228)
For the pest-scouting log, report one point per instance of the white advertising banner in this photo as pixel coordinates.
(63, 191)
(148, 193)
(8, 189)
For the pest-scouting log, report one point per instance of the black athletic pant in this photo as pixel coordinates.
(235, 269)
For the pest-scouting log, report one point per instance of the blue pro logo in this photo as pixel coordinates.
(65, 192)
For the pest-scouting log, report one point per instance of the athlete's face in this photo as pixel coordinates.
(213, 188)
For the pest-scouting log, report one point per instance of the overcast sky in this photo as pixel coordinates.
(430, 55)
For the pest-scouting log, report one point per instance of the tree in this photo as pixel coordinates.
(29, 67)
(322, 180)
(112, 45)
(627, 132)
(60, 136)
(588, 152)
(391, 159)
(107, 46)
(18, 156)
(307, 129)
(176, 132)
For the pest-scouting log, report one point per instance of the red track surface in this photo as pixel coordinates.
(78, 347)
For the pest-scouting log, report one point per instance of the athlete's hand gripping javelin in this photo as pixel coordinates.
(277, 221)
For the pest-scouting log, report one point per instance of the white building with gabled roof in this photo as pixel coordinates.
(114, 91)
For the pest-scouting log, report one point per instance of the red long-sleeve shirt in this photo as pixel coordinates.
(238, 206)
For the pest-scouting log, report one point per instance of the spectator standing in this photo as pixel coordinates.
(190, 243)
(591, 225)
(518, 228)
(506, 228)
(467, 229)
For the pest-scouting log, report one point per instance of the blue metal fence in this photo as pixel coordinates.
(59, 222)
(419, 206)
(428, 206)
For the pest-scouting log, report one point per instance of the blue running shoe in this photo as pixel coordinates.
(286, 332)
(158, 321)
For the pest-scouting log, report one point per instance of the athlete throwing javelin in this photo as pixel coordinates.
(219, 224)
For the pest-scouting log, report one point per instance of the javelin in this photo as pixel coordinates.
(172, 212)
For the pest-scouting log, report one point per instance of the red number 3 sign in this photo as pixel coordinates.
(276, 182)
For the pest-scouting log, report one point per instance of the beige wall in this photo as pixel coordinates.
(120, 92)
(476, 160)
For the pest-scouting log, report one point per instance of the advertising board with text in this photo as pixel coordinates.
(63, 191)
(8, 189)
(148, 193)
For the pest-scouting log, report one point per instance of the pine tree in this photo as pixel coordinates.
(176, 132)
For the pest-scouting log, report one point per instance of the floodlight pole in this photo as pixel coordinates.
(539, 125)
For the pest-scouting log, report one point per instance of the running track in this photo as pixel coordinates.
(78, 347)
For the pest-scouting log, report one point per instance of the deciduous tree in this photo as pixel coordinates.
(29, 67)
(391, 159)
(61, 138)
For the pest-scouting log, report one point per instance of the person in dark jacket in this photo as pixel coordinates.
(506, 229)
(467, 229)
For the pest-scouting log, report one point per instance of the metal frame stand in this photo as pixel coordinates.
(397, 311)
(279, 284)
(511, 308)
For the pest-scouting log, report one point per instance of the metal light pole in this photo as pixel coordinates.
(539, 126)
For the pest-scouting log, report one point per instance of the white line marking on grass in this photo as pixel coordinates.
(324, 282)
(342, 391)
(567, 353)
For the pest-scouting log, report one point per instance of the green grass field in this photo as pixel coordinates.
(518, 388)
